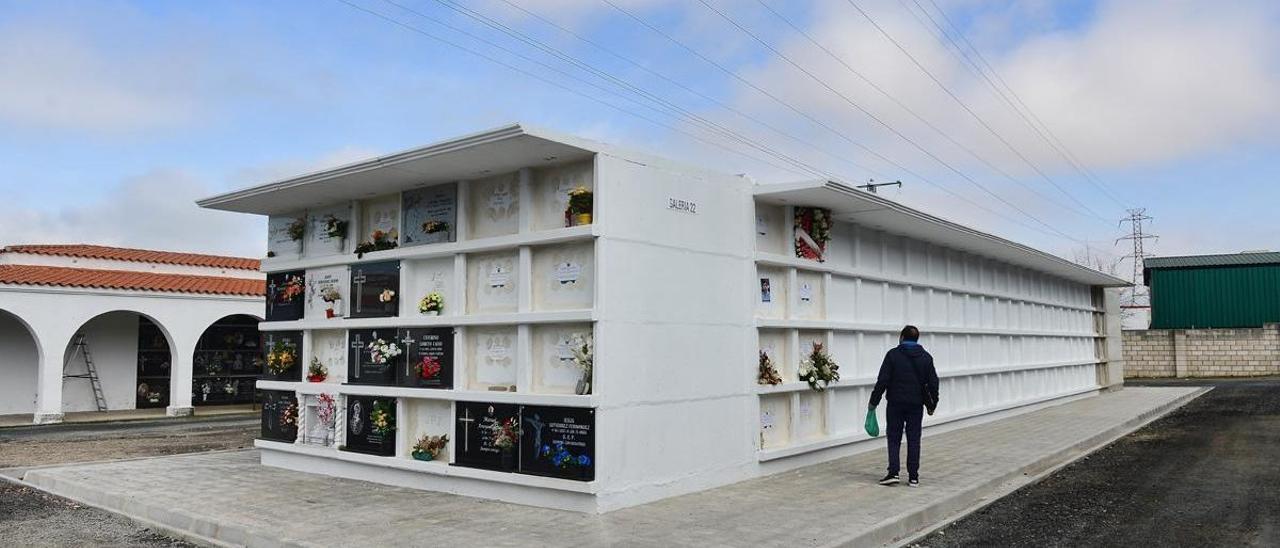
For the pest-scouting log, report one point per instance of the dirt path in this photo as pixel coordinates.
(1206, 475)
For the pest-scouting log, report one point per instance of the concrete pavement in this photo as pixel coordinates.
(229, 498)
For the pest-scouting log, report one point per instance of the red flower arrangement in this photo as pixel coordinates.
(428, 368)
(813, 231)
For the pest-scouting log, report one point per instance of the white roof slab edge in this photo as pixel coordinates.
(849, 204)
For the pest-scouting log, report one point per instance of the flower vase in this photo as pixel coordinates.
(432, 313)
(580, 219)
(339, 244)
(389, 308)
(296, 247)
(328, 313)
(583, 387)
(508, 460)
(423, 456)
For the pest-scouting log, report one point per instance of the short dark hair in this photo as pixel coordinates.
(910, 333)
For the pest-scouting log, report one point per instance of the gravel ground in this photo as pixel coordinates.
(30, 517)
(1204, 475)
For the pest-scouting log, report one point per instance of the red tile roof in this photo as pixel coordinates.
(135, 255)
(122, 279)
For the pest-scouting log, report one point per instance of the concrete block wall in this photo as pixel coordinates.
(1241, 352)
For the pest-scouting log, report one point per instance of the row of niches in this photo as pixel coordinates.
(540, 440)
(845, 246)
(849, 299)
(557, 357)
(859, 355)
(559, 197)
(562, 278)
(796, 418)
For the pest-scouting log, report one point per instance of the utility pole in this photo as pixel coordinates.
(872, 185)
(1137, 236)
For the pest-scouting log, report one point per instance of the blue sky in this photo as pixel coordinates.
(115, 116)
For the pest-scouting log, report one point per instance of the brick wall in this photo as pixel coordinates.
(1202, 352)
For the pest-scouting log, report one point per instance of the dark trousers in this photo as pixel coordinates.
(906, 416)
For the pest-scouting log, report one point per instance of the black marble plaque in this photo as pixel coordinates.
(428, 359)
(558, 442)
(286, 295)
(368, 283)
(362, 367)
(279, 416)
(292, 339)
(362, 433)
(473, 435)
(429, 215)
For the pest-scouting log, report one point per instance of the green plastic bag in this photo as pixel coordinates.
(873, 427)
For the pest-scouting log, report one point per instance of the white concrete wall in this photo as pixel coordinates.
(674, 331)
(113, 342)
(18, 367)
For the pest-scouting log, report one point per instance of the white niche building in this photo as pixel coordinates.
(683, 278)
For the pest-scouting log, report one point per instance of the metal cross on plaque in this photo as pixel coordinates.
(271, 297)
(358, 280)
(358, 345)
(466, 431)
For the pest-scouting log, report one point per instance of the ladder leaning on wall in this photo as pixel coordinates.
(80, 346)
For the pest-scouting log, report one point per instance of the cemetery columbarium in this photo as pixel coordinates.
(542, 319)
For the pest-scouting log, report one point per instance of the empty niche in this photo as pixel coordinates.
(810, 295)
(840, 249)
(564, 276)
(426, 418)
(775, 421)
(770, 234)
(327, 290)
(773, 343)
(494, 205)
(329, 349)
(431, 276)
(493, 282)
(554, 369)
(492, 357)
(381, 214)
(844, 351)
(811, 415)
(772, 301)
(848, 410)
(870, 302)
(842, 299)
(551, 188)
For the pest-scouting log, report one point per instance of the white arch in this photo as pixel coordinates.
(17, 392)
(112, 337)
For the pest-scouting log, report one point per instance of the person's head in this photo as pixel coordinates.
(910, 333)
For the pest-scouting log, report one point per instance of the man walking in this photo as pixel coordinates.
(908, 374)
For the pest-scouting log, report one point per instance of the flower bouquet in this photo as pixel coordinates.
(378, 241)
(819, 368)
(382, 418)
(281, 357)
(382, 351)
(289, 416)
(326, 412)
(429, 447)
(336, 230)
(297, 230)
(330, 295)
(432, 304)
(562, 458)
(428, 368)
(432, 227)
(505, 436)
(317, 372)
(580, 206)
(768, 373)
(813, 231)
(293, 287)
(388, 300)
(583, 349)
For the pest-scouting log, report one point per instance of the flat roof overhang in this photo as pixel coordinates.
(474, 156)
(852, 205)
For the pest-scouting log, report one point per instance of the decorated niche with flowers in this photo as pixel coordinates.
(430, 215)
(374, 290)
(286, 295)
(374, 356)
(557, 442)
(428, 359)
(476, 431)
(371, 424)
(812, 232)
(281, 355)
(279, 416)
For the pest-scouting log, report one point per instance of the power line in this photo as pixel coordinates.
(551, 82)
(1060, 147)
(868, 113)
(967, 109)
(913, 113)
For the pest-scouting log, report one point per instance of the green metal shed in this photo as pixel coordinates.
(1204, 291)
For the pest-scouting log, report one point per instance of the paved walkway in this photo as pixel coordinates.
(19, 420)
(231, 498)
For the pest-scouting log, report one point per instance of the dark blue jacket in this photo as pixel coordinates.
(898, 376)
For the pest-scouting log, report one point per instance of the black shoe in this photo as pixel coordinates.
(891, 479)
(913, 482)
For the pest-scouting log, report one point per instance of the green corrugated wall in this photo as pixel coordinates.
(1238, 296)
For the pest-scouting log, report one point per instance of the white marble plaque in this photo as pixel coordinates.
(380, 214)
(564, 277)
(495, 206)
(494, 357)
(279, 244)
(493, 282)
(318, 240)
(322, 283)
